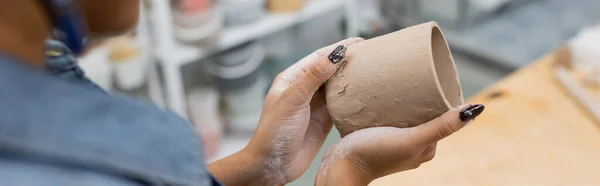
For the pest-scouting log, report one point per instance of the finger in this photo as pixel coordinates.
(297, 70)
(319, 126)
(429, 152)
(320, 123)
(316, 73)
(446, 124)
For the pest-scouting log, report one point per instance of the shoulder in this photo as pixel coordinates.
(59, 121)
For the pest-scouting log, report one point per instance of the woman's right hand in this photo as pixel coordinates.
(370, 153)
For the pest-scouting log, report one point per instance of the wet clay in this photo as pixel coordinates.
(401, 79)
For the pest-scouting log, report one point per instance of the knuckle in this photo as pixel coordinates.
(318, 72)
(279, 77)
(429, 156)
(415, 166)
(295, 97)
(446, 128)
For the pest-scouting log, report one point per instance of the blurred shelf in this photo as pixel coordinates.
(523, 33)
(173, 55)
(236, 35)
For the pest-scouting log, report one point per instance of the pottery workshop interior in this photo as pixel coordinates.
(257, 74)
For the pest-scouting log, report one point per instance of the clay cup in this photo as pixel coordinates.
(401, 79)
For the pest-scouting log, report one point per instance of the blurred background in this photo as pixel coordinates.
(212, 61)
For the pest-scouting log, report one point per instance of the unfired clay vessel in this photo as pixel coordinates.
(401, 79)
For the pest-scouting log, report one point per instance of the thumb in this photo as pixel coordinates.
(312, 71)
(318, 72)
(317, 68)
(446, 124)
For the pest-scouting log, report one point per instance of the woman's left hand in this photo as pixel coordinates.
(295, 121)
(293, 126)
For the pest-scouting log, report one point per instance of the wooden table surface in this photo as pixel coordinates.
(531, 133)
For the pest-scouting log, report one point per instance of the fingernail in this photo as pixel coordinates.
(338, 54)
(471, 112)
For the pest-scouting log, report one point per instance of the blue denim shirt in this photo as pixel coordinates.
(57, 128)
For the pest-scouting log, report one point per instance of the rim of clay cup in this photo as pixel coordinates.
(444, 65)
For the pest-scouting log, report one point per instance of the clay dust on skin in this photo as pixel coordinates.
(276, 169)
(274, 161)
(333, 154)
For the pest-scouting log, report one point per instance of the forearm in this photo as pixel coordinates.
(342, 172)
(242, 168)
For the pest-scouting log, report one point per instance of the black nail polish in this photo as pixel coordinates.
(471, 112)
(338, 54)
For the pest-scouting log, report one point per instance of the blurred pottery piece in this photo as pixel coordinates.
(203, 105)
(130, 68)
(239, 12)
(285, 6)
(401, 79)
(97, 67)
(237, 55)
(281, 45)
(242, 87)
(197, 22)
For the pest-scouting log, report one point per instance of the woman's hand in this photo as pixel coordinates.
(295, 121)
(293, 125)
(370, 153)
